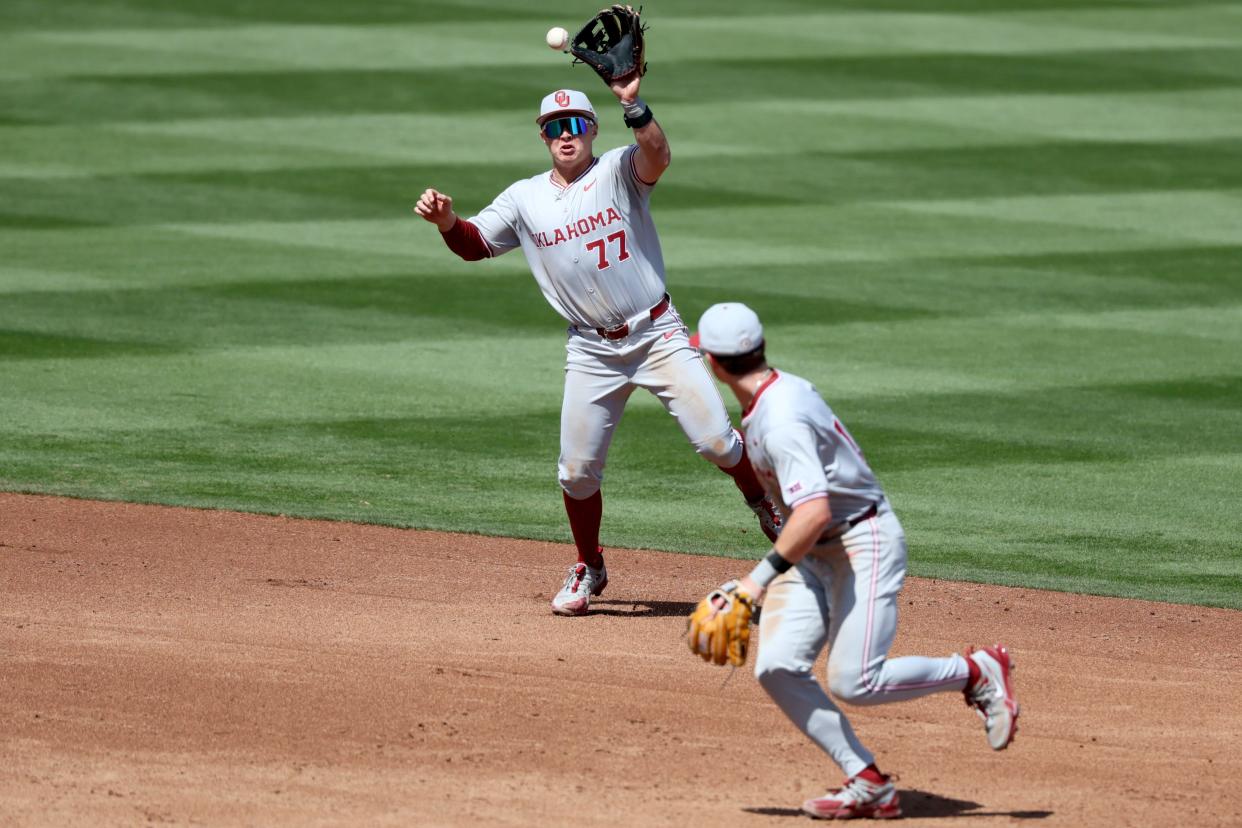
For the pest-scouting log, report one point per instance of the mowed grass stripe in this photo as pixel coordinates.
(902, 301)
(697, 131)
(348, 193)
(826, 237)
(160, 14)
(859, 232)
(976, 399)
(1131, 352)
(200, 49)
(932, 365)
(1090, 280)
(105, 99)
(424, 375)
(1047, 353)
(918, 293)
(75, 152)
(1192, 216)
(922, 348)
(1073, 525)
(37, 15)
(998, 428)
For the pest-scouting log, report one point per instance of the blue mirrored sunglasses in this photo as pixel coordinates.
(558, 126)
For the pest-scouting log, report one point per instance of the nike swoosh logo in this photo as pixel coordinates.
(669, 334)
(589, 186)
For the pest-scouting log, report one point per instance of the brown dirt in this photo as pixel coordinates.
(182, 666)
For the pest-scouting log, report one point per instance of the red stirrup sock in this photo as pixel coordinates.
(584, 520)
(972, 677)
(744, 477)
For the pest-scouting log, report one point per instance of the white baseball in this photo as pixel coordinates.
(557, 38)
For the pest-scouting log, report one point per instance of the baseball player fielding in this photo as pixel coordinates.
(831, 578)
(586, 230)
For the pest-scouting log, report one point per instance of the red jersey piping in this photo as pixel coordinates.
(762, 387)
(634, 169)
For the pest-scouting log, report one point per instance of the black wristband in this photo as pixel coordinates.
(640, 121)
(772, 565)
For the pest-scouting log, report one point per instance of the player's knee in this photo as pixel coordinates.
(579, 480)
(774, 676)
(724, 450)
(770, 677)
(850, 687)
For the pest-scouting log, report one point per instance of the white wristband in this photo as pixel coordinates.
(763, 573)
(634, 109)
(766, 570)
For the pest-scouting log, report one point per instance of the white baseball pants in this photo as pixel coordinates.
(844, 595)
(600, 375)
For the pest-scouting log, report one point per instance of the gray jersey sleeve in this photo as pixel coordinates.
(625, 176)
(794, 454)
(499, 223)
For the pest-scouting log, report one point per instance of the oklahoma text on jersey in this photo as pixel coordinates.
(575, 229)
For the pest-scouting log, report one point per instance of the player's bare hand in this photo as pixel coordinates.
(436, 208)
(626, 88)
(746, 584)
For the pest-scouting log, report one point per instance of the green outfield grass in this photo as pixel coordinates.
(1004, 237)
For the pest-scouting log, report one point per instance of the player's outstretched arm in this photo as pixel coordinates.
(653, 156)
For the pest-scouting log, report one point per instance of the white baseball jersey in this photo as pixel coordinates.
(843, 595)
(801, 451)
(591, 245)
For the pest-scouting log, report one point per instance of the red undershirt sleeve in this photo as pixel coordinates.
(464, 239)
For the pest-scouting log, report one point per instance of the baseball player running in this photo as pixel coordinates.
(832, 577)
(585, 228)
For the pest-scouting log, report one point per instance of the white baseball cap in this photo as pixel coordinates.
(565, 102)
(728, 329)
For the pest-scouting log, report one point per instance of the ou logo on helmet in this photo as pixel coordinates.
(562, 99)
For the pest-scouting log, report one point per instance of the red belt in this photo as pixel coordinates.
(623, 330)
(867, 515)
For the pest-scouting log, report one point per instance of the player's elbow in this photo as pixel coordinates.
(655, 156)
(661, 156)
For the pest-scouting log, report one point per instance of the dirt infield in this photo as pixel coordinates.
(181, 666)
